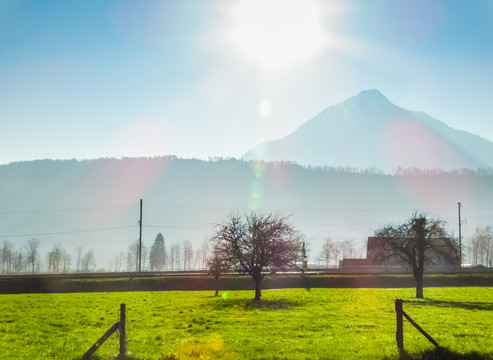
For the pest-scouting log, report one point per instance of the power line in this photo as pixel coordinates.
(296, 210)
(178, 227)
(229, 209)
(102, 241)
(68, 232)
(64, 210)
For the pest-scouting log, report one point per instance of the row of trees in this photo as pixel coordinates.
(28, 259)
(253, 227)
(333, 251)
(162, 257)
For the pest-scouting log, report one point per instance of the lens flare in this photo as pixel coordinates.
(258, 167)
(265, 108)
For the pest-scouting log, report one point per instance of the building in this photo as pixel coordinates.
(379, 259)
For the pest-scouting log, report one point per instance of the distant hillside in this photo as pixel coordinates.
(367, 131)
(94, 204)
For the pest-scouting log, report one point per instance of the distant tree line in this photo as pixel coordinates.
(28, 259)
(162, 256)
(333, 251)
(480, 249)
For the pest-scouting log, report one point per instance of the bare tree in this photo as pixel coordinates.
(176, 257)
(217, 265)
(257, 243)
(174, 254)
(145, 254)
(417, 242)
(348, 249)
(80, 252)
(119, 259)
(88, 261)
(187, 254)
(202, 255)
(19, 261)
(54, 258)
(197, 264)
(326, 252)
(133, 256)
(66, 260)
(481, 245)
(205, 252)
(32, 252)
(336, 251)
(6, 257)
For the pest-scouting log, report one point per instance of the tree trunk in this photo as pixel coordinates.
(419, 287)
(217, 286)
(418, 277)
(418, 271)
(258, 291)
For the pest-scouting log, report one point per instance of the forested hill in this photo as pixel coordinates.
(95, 203)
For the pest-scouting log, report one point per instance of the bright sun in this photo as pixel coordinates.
(277, 33)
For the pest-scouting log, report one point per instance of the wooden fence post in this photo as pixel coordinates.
(399, 335)
(120, 326)
(123, 333)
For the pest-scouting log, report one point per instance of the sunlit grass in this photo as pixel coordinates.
(286, 324)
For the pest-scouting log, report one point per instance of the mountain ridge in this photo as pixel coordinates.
(367, 130)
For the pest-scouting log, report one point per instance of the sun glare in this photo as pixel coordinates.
(277, 33)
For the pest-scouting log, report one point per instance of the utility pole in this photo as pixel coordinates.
(460, 238)
(140, 236)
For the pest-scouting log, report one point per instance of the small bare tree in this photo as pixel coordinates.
(326, 252)
(54, 258)
(481, 245)
(187, 255)
(348, 249)
(32, 252)
(217, 265)
(88, 261)
(6, 256)
(79, 258)
(257, 243)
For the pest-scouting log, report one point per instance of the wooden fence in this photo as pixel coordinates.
(120, 326)
(400, 330)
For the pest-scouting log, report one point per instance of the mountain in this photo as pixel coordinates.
(368, 131)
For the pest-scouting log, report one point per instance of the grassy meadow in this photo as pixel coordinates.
(285, 324)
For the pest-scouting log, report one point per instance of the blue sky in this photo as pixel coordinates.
(90, 79)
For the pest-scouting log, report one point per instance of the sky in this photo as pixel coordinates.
(200, 79)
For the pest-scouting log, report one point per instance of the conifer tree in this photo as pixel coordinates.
(157, 256)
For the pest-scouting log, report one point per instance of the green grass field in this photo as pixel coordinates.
(285, 324)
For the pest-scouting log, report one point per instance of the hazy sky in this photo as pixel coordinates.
(90, 79)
